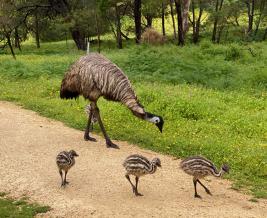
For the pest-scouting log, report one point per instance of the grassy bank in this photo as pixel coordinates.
(19, 208)
(212, 97)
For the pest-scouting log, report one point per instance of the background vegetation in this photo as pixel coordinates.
(211, 89)
(19, 208)
(215, 107)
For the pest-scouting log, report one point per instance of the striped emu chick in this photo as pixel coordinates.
(94, 76)
(65, 160)
(138, 166)
(200, 167)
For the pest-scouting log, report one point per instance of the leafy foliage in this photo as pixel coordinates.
(213, 100)
(20, 208)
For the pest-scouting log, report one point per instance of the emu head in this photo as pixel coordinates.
(157, 120)
(156, 161)
(73, 154)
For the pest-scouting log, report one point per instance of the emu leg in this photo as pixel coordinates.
(65, 180)
(61, 174)
(136, 184)
(128, 178)
(86, 132)
(195, 185)
(206, 189)
(109, 143)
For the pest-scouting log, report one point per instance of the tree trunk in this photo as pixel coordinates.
(250, 6)
(196, 23)
(118, 20)
(178, 6)
(186, 6)
(219, 34)
(265, 34)
(163, 19)
(149, 20)
(217, 8)
(173, 21)
(79, 39)
(10, 45)
(17, 40)
(137, 20)
(98, 33)
(214, 32)
(37, 35)
(261, 11)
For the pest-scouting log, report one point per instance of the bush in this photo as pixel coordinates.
(233, 53)
(151, 36)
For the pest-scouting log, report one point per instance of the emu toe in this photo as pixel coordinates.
(137, 193)
(208, 191)
(110, 144)
(197, 196)
(88, 138)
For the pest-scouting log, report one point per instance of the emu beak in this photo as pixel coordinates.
(159, 125)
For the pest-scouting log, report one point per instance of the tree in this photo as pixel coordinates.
(137, 20)
(178, 5)
(196, 21)
(113, 10)
(10, 21)
(173, 21)
(250, 10)
(186, 7)
(163, 18)
(262, 12)
(218, 8)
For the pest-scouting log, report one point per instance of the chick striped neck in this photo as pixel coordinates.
(218, 174)
(152, 169)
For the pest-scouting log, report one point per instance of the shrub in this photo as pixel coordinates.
(233, 53)
(151, 36)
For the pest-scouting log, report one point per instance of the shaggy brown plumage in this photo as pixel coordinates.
(94, 76)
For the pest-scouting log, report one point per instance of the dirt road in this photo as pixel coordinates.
(98, 188)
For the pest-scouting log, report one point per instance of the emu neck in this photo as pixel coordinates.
(218, 174)
(153, 169)
(136, 108)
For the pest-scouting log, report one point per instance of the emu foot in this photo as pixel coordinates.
(208, 191)
(88, 138)
(197, 196)
(137, 193)
(110, 144)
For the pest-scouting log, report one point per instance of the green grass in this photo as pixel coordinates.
(212, 97)
(19, 208)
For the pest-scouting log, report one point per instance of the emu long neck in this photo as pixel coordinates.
(152, 169)
(136, 108)
(217, 173)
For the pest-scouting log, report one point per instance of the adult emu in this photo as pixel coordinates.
(94, 76)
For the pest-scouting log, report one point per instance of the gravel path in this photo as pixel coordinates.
(98, 188)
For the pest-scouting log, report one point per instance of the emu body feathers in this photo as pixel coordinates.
(94, 76)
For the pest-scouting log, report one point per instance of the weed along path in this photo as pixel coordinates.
(28, 147)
